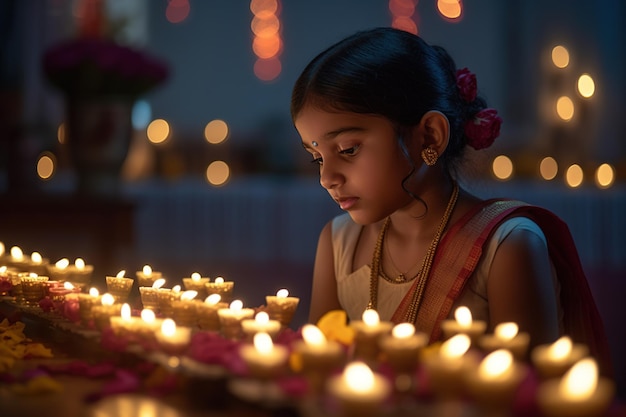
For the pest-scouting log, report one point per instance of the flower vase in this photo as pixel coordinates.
(98, 136)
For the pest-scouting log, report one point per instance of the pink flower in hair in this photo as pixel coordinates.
(466, 82)
(483, 129)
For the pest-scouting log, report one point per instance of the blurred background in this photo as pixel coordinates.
(202, 170)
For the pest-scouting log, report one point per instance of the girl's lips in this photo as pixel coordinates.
(347, 203)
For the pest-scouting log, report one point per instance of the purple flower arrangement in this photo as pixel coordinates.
(97, 67)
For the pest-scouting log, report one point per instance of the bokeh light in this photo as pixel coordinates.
(548, 168)
(565, 108)
(46, 165)
(61, 133)
(502, 167)
(560, 56)
(177, 10)
(586, 86)
(218, 173)
(141, 114)
(574, 176)
(158, 131)
(216, 131)
(267, 43)
(450, 9)
(403, 15)
(605, 176)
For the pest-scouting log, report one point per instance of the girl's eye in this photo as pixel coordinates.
(350, 151)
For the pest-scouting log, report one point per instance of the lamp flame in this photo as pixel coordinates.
(403, 330)
(213, 299)
(370, 317)
(312, 335)
(359, 377)
(580, 382)
(455, 347)
(506, 331)
(463, 316)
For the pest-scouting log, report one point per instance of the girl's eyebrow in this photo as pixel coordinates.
(348, 129)
(334, 133)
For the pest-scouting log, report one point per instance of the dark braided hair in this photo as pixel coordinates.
(392, 73)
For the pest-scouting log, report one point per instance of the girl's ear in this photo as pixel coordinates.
(436, 129)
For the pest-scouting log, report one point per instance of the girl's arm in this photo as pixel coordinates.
(324, 289)
(520, 287)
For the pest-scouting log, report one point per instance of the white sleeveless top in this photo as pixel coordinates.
(353, 286)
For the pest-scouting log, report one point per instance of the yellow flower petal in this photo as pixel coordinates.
(38, 350)
(295, 362)
(39, 385)
(6, 363)
(334, 325)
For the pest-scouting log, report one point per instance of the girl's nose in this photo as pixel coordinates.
(329, 178)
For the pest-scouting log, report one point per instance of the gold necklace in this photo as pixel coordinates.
(424, 271)
(402, 277)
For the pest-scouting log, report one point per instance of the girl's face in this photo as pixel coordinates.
(361, 165)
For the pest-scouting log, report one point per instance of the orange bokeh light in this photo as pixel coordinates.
(405, 23)
(450, 10)
(267, 69)
(177, 10)
(264, 8)
(266, 48)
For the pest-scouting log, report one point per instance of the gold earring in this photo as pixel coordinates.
(430, 156)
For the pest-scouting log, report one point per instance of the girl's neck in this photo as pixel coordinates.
(419, 219)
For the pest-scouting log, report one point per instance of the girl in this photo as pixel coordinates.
(388, 117)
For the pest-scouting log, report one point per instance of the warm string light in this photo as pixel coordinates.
(604, 175)
(403, 15)
(267, 43)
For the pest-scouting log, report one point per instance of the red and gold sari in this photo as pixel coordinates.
(462, 246)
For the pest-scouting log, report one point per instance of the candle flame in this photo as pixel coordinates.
(560, 349)
(125, 312)
(176, 288)
(359, 377)
(370, 317)
(463, 316)
(282, 293)
(213, 299)
(168, 327)
(580, 382)
(68, 285)
(312, 335)
(219, 280)
(262, 317)
(3, 268)
(455, 347)
(121, 273)
(506, 331)
(62, 263)
(496, 365)
(36, 257)
(107, 299)
(147, 270)
(2, 248)
(403, 330)
(188, 295)
(33, 274)
(196, 277)
(263, 343)
(148, 315)
(93, 291)
(79, 263)
(16, 253)
(158, 283)
(236, 305)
